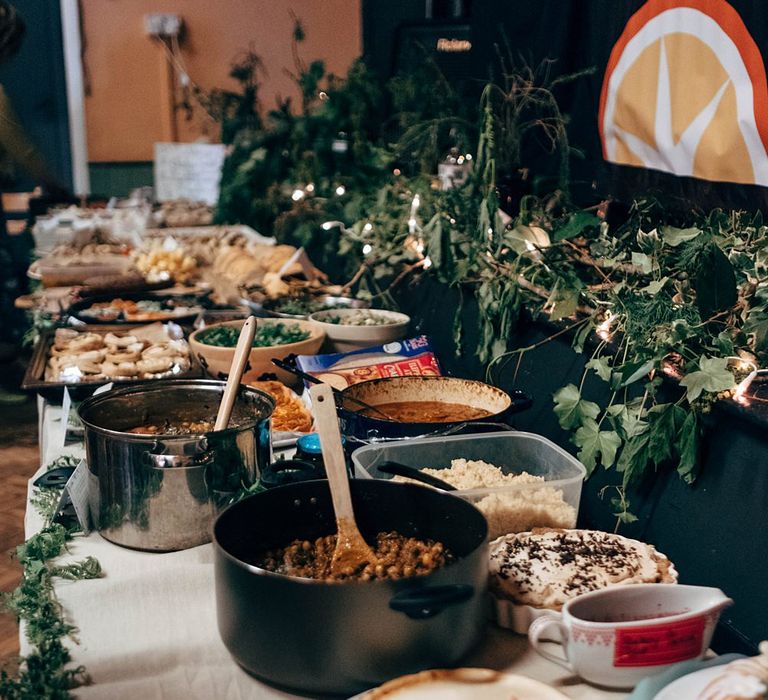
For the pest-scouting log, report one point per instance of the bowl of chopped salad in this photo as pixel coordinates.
(214, 347)
(352, 329)
(300, 307)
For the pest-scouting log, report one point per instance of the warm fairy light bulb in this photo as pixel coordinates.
(426, 263)
(396, 172)
(297, 195)
(740, 394)
(603, 328)
(412, 223)
(420, 247)
(310, 187)
(468, 156)
(368, 228)
(340, 190)
(367, 248)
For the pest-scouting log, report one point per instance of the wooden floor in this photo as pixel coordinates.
(18, 461)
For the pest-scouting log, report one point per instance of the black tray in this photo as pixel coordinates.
(76, 310)
(34, 377)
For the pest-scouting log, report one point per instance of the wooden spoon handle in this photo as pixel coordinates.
(239, 360)
(327, 426)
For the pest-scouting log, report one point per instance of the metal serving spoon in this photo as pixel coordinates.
(351, 551)
(398, 469)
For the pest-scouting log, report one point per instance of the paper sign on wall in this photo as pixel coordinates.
(188, 171)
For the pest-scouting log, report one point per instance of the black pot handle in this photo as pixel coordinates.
(422, 603)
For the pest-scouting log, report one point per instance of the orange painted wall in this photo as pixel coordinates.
(125, 69)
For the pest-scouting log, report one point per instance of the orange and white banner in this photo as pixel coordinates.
(684, 92)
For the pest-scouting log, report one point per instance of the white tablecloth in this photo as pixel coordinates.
(147, 629)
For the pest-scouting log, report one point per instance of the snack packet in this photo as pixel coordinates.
(402, 358)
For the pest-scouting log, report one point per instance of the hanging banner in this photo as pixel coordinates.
(684, 92)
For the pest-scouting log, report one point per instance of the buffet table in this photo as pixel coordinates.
(148, 627)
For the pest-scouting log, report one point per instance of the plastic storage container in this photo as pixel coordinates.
(510, 508)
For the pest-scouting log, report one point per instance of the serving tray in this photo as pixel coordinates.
(79, 308)
(34, 377)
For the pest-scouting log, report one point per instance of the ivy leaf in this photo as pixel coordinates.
(665, 423)
(632, 371)
(601, 367)
(688, 444)
(626, 517)
(643, 262)
(675, 236)
(627, 420)
(577, 224)
(712, 376)
(633, 458)
(593, 442)
(653, 288)
(724, 344)
(571, 409)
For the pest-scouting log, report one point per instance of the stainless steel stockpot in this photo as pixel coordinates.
(162, 492)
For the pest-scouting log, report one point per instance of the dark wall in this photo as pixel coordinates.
(577, 35)
(34, 80)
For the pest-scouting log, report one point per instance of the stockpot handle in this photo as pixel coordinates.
(156, 458)
(429, 601)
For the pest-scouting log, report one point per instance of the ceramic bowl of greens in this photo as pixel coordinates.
(352, 329)
(300, 307)
(214, 346)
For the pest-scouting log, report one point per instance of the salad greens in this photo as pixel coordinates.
(267, 334)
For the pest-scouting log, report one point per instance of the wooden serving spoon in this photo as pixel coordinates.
(236, 369)
(351, 551)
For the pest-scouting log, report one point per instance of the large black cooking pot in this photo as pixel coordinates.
(343, 637)
(472, 393)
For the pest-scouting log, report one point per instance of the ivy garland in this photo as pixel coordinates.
(44, 673)
(664, 294)
(643, 302)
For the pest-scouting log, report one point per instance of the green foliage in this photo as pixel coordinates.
(44, 672)
(593, 442)
(666, 294)
(571, 410)
(713, 376)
